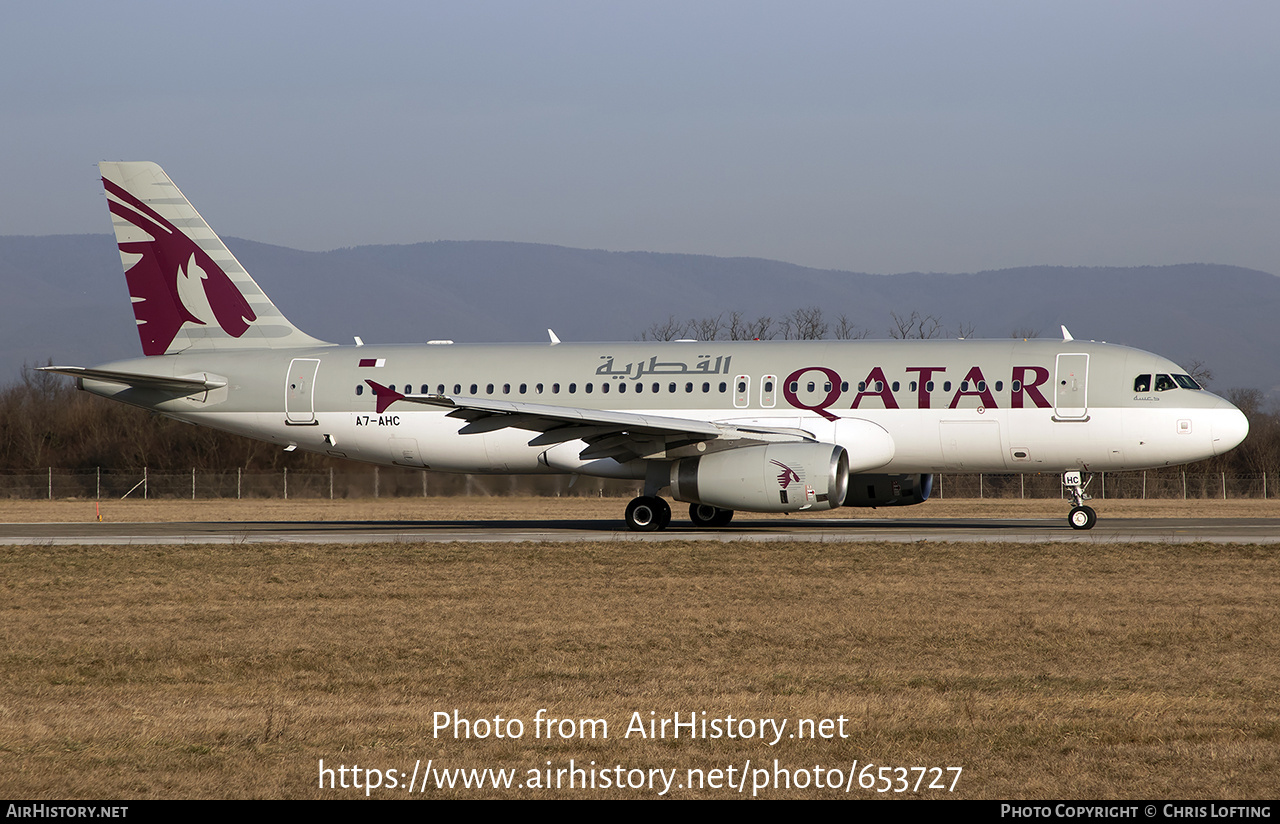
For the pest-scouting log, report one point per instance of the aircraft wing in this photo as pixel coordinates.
(608, 433)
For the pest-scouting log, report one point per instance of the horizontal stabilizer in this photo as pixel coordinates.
(182, 385)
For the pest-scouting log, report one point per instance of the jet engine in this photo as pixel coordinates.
(785, 477)
(888, 490)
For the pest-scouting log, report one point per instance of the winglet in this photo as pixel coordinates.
(385, 395)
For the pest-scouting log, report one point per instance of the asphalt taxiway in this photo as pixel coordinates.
(1108, 530)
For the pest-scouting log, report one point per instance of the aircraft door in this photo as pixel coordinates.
(299, 392)
(1070, 401)
(768, 391)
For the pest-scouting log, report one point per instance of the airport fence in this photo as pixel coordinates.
(142, 483)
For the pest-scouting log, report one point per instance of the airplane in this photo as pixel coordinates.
(761, 426)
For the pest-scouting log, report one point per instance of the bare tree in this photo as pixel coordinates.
(706, 328)
(1200, 372)
(737, 327)
(965, 330)
(848, 330)
(762, 328)
(917, 326)
(670, 329)
(807, 324)
(1025, 332)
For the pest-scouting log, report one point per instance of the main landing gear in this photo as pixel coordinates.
(649, 513)
(1081, 516)
(709, 516)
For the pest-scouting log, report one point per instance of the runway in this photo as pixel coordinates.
(1112, 530)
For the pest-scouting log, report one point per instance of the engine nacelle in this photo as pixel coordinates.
(888, 490)
(783, 477)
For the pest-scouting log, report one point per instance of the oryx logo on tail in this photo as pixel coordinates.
(174, 281)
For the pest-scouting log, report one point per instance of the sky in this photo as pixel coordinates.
(936, 136)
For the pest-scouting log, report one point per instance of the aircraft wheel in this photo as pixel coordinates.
(648, 514)
(709, 516)
(1082, 517)
(664, 513)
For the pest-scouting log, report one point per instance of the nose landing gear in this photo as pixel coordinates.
(1081, 516)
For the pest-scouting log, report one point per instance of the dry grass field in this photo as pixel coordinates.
(1044, 671)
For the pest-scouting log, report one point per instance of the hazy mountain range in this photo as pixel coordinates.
(65, 299)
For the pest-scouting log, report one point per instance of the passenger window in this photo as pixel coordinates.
(573, 387)
(688, 387)
(622, 387)
(359, 388)
(473, 389)
(671, 387)
(538, 389)
(604, 387)
(591, 387)
(488, 390)
(1142, 383)
(524, 387)
(506, 389)
(426, 390)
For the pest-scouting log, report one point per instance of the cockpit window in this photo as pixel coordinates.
(1165, 383)
(1187, 382)
(1142, 383)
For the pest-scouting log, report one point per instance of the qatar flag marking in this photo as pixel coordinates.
(373, 362)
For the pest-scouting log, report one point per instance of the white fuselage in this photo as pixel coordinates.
(977, 406)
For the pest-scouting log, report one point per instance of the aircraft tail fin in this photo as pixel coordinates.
(189, 292)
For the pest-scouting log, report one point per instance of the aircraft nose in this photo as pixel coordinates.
(1230, 427)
